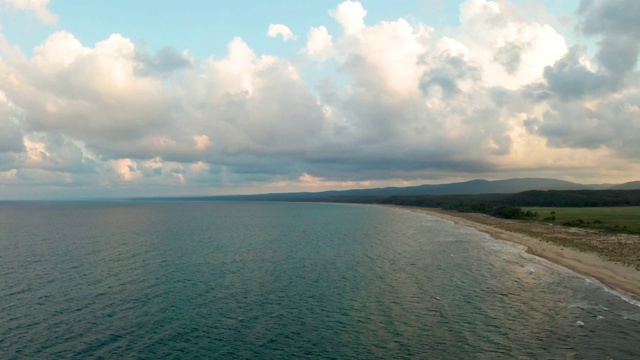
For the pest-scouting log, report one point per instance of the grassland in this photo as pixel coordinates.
(616, 219)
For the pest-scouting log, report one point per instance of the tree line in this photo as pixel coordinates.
(506, 206)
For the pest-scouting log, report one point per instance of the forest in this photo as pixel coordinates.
(508, 206)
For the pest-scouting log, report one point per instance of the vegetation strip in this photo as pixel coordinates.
(610, 210)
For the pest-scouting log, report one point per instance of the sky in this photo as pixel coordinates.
(158, 98)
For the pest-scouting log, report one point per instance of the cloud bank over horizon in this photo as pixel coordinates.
(395, 102)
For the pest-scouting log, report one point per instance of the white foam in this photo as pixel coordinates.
(634, 317)
(512, 247)
(621, 294)
(549, 264)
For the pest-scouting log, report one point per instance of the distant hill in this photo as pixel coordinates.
(508, 186)
(473, 187)
(634, 185)
(466, 188)
(489, 187)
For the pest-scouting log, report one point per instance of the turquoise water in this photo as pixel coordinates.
(290, 281)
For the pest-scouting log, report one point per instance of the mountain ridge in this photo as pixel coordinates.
(471, 187)
(632, 185)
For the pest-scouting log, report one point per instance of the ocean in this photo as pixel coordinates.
(224, 280)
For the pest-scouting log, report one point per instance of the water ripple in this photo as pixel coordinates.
(230, 280)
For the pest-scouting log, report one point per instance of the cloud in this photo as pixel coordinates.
(126, 169)
(307, 182)
(276, 30)
(38, 7)
(510, 50)
(617, 57)
(55, 153)
(611, 123)
(165, 62)
(350, 14)
(399, 101)
(595, 102)
(10, 132)
(319, 44)
(87, 93)
(610, 18)
(571, 77)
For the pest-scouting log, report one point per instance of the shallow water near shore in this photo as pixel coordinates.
(287, 280)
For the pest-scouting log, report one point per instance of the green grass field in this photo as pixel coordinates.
(617, 219)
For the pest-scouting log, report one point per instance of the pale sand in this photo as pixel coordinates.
(614, 275)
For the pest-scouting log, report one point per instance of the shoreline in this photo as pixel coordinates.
(613, 275)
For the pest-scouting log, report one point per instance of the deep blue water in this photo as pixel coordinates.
(287, 280)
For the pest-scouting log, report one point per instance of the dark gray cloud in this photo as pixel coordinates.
(446, 83)
(447, 74)
(384, 167)
(531, 124)
(60, 154)
(164, 62)
(10, 135)
(569, 78)
(509, 56)
(616, 22)
(596, 107)
(7, 161)
(612, 123)
(618, 56)
(610, 18)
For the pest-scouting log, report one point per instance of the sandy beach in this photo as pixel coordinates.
(581, 250)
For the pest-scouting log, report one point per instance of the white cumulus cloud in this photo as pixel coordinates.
(350, 14)
(38, 7)
(276, 30)
(319, 43)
